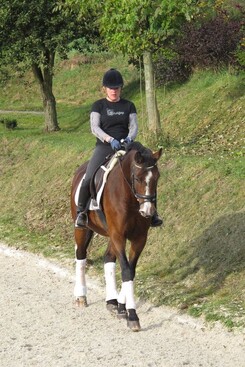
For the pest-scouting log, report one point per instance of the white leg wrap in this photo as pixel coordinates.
(110, 280)
(127, 295)
(122, 296)
(80, 288)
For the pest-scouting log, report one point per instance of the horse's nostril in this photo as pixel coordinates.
(144, 214)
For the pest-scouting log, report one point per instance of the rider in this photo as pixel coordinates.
(112, 118)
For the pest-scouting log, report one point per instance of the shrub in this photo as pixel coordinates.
(173, 70)
(211, 43)
(9, 124)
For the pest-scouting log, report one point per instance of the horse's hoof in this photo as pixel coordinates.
(122, 312)
(133, 320)
(81, 301)
(112, 308)
(122, 315)
(134, 325)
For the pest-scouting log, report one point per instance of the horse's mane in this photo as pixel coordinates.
(136, 145)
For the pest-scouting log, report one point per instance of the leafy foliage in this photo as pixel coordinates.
(86, 47)
(206, 42)
(212, 43)
(137, 26)
(33, 32)
(29, 28)
(173, 70)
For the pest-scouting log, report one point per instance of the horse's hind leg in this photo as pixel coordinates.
(82, 238)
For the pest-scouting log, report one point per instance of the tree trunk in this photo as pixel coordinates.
(45, 80)
(49, 105)
(150, 92)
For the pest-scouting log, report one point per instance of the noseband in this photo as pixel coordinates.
(147, 198)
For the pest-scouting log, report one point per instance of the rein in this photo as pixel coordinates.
(147, 198)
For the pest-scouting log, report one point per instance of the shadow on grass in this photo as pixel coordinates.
(217, 253)
(72, 119)
(201, 270)
(237, 90)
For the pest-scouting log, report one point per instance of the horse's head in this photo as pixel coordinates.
(144, 177)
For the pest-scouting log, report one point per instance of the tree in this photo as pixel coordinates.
(33, 32)
(136, 28)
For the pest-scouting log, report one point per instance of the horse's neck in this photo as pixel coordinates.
(124, 169)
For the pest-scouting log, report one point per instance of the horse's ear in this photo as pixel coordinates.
(138, 158)
(157, 155)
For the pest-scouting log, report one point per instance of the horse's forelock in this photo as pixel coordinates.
(146, 153)
(149, 161)
(135, 145)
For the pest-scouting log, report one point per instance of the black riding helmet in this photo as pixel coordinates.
(112, 79)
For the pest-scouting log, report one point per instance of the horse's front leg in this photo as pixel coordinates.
(127, 305)
(126, 298)
(110, 280)
(82, 238)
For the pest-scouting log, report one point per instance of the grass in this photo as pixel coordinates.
(196, 263)
(197, 113)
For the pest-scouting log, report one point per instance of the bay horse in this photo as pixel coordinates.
(128, 203)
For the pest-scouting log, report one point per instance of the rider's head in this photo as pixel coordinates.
(112, 79)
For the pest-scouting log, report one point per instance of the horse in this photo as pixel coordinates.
(128, 203)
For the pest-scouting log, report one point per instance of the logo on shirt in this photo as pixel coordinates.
(113, 113)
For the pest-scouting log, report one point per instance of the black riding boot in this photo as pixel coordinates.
(156, 221)
(82, 217)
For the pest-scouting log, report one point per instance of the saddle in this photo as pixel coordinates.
(99, 179)
(98, 182)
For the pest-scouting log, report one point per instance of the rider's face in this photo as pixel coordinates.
(113, 94)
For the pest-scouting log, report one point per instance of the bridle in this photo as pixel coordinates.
(146, 198)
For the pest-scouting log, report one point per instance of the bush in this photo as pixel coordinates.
(213, 43)
(173, 70)
(9, 124)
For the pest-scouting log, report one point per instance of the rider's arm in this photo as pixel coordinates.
(96, 129)
(133, 126)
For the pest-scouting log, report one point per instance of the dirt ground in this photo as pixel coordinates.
(40, 327)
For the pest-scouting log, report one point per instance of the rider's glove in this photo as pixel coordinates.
(115, 144)
(128, 140)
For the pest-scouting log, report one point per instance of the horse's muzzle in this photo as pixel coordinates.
(147, 209)
(145, 215)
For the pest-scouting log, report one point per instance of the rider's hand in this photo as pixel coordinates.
(115, 144)
(128, 140)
